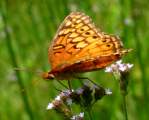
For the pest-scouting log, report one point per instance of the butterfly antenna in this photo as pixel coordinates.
(28, 70)
(39, 73)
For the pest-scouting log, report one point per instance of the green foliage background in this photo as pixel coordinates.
(26, 29)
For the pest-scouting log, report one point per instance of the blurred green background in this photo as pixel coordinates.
(26, 29)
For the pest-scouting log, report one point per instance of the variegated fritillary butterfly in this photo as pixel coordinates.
(80, 47)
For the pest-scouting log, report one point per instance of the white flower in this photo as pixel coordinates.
(108, 92)
(58, 98)
(50, 106)
(81, 115)
(66, 93)
(77, 117)
(108, 69)
(69, 101)
(119, 66)
(79, 91)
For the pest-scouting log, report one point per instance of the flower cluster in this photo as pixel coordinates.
(84, 96)
(64, 96)
(78, 117)
(121, 72)
(119, 66)
(88, 94)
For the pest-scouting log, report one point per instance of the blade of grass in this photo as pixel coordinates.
(14, 61)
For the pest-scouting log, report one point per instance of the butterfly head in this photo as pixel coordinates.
(48, 76)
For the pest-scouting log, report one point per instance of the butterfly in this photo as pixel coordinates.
(79, 46)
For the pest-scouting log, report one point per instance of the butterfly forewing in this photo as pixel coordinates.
(78, 41)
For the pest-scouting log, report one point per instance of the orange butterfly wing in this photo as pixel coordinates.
(79, 47)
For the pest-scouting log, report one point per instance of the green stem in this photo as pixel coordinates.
(125, 107)
(123, 83)
(137, 18)
(89, 113)
(14, 61)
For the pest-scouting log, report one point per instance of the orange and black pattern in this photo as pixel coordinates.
(79, 46)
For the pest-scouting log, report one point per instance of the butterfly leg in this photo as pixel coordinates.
(62, 84)
(86, 78)
(69, 84)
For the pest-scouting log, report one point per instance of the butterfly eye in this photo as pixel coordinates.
(48, 76)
